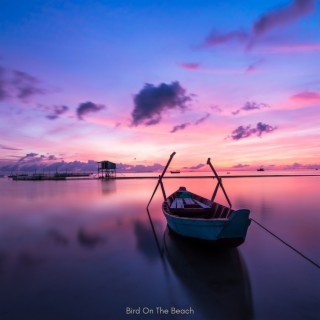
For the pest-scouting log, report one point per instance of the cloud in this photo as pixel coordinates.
(244, 132)
(254, 66)
(306, 95)
(25, 85)
(56, 111)
(152, 101)
(268, 21)
(297, 165)
(283, 16)
(198, 166)
(249, 106)
(88, 107)
(89, 239)
(190, 66)
(8, 148)
(3, 91)
(186, 124)
(28, 156)
(139, 168)
(202, 119)
(240, 165)
(216, 109)
(18, 84)
(32, 162)
(180, 127)
(215, 39)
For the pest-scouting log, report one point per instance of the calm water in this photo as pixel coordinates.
(85, 250)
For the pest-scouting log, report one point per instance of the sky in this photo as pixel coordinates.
(133, 81)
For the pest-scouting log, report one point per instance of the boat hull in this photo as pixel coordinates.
(209, 222)
(220, 232)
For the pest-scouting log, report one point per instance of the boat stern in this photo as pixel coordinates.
(237, 225)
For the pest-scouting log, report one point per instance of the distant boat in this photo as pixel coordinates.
(175, 171)
(260, 169)
(192, 216)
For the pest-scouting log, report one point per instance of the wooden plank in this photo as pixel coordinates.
(219, 211)
(201, 204)
(189, 201)
(179, 203)
(174, 204)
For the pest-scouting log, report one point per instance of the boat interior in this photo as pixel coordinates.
(183, 203)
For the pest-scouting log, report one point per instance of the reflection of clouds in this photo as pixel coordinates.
(58, 237)
(89, 239)
(28, 259)
(145, 239)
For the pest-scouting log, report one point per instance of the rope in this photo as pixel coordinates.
(287, 244)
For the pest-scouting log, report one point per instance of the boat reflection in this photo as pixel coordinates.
(216, 280)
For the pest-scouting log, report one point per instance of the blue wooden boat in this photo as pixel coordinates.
(193, 216)
(190, 215)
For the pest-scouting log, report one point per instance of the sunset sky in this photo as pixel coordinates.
(133, 81)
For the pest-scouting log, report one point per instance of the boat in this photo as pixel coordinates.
(260, 169)
(175, 171)
(193, 216)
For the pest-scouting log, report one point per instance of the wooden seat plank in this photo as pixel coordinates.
(179, 203)
(189, 201)
(174, 204)
(201, 204)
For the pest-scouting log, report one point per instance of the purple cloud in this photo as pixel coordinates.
(215, 39)
(19, 84)
(28, 156)
(306, 96)
(180, 127)
(249, 106)
(8, 148)
(283, 16)
(216, 109)
(240, 166)
(253, 67)
(56, 111)
(202, 119)
(88, 107)
(268, 21)
(152, 101)
(139, 168)
(198, 166)
(25, 85)
(190, 66)
(3, 91)
(244, 132)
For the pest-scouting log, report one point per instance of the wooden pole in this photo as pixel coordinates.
(160, 177)
(219, 183)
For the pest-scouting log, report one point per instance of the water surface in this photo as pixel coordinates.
(84, 249)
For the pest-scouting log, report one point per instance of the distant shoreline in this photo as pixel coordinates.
(212, 177)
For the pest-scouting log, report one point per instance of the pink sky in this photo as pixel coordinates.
(107, 82)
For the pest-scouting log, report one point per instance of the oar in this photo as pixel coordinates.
(219, 183)
(160, 177)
